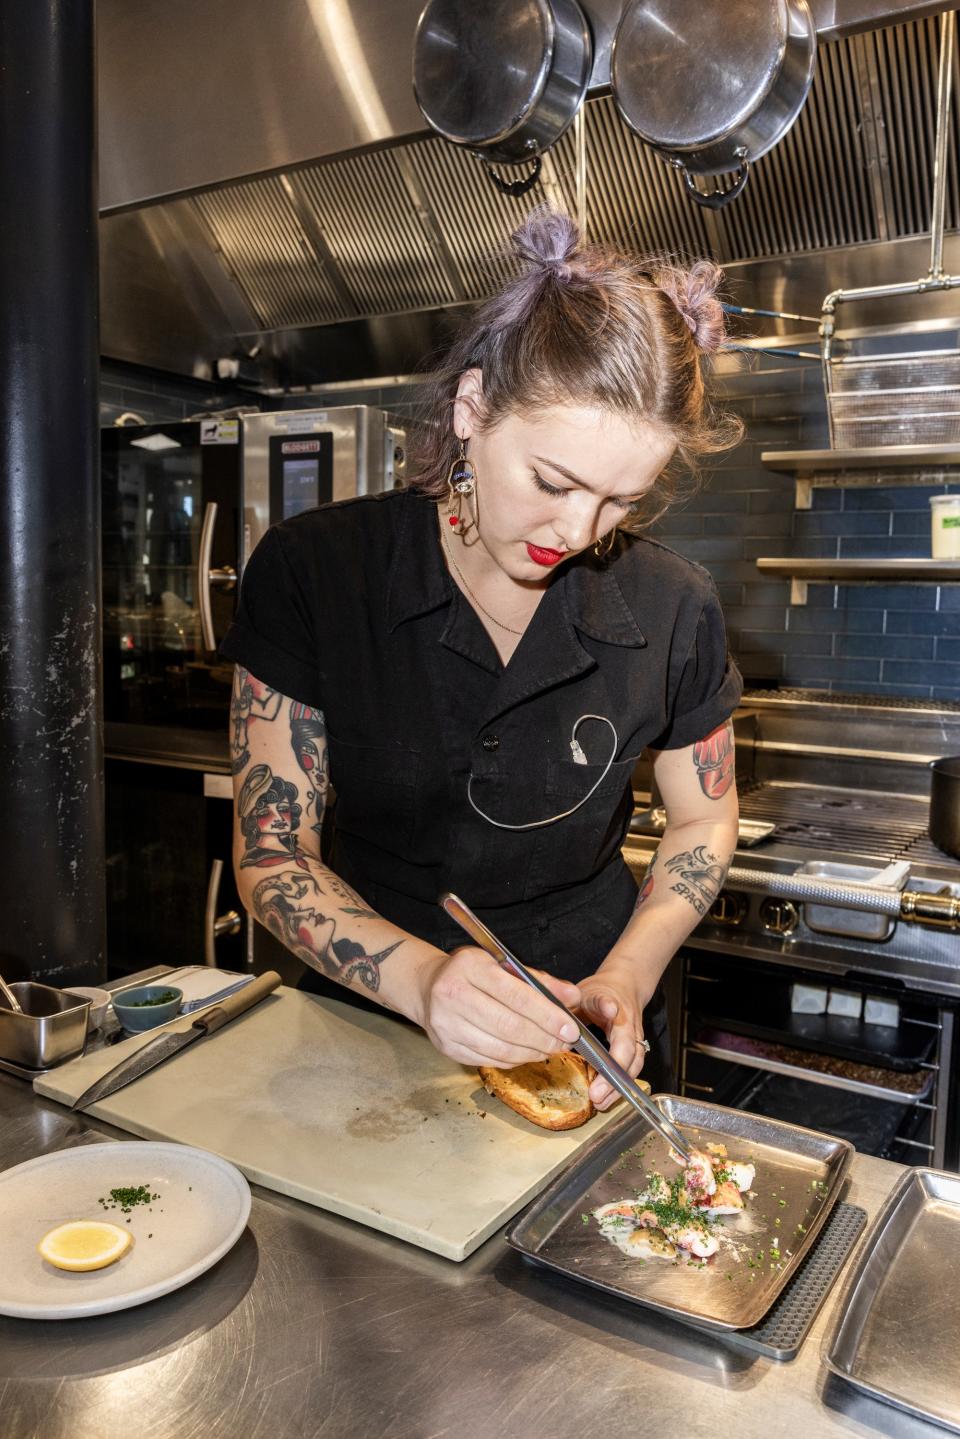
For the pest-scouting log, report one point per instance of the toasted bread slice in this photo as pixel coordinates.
(553, 1093)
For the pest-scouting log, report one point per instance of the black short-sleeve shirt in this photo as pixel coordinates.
(350, 608)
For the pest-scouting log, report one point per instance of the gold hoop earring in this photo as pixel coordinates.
(461, 482)
(603, 546)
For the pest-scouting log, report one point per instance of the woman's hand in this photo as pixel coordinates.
(476, 1013)
(609, 1000)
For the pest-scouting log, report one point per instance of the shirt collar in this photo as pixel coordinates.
(597, 605)
(419, 581)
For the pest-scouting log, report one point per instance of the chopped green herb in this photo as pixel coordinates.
(128, 1198)
(584, 1219)
(167, 997)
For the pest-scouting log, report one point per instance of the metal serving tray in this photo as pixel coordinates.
(799, 1175)
(750, 831)
(898, 1334)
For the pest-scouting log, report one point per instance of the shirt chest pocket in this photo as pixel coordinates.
(376, 790)
(575, 848)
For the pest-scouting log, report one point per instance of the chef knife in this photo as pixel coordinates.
(602, 1061)
(164, 1046)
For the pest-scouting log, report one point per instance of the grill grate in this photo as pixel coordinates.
(836, 819)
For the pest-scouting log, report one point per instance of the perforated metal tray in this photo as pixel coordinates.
(799, 1175)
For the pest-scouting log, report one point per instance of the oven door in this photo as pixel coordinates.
(884, 1088)
(171, 897)
(171, 544)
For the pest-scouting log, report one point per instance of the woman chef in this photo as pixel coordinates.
(476, 664)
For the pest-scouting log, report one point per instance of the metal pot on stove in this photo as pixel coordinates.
(944, 822)
(503, 78)
(712, 84)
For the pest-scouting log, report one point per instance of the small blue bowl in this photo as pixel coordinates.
(137, 1009)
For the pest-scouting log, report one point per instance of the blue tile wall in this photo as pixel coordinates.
(895, 639)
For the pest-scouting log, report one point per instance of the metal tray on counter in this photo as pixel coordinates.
(654, 821)
(798, 1180)
(897, 1337)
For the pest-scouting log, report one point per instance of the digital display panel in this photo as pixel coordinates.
(301, 473)
(301, 485)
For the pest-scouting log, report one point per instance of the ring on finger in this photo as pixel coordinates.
(643, 1044)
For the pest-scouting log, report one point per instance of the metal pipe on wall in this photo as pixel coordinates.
(51, 765)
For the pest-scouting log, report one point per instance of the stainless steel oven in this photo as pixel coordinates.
(171, 555)
(183, 507)
(294, 460)
(884, 1087)
(171, 897)
(842, 1019)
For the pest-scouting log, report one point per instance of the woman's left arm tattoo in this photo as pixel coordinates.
(700, 875)
(714, 760)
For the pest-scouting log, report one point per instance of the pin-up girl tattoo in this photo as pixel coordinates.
(289, 906)
(269, 816)
(308, 737)
(714, 761)
(250, 700)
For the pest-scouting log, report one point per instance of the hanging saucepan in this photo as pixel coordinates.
(502, 77)
(944, 822)
(713, 84)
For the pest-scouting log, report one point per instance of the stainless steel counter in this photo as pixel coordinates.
(313, 1326)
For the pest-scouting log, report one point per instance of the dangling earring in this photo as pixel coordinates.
(461, 481)
(603, 546)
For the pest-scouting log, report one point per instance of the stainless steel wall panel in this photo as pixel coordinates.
(263, 244)
(810, 192)
(634, 199)
(375, 233)
(836, 105)
(473, 217)
(905, 60)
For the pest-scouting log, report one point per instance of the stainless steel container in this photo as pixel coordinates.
(945, 804)
(827, 919)
(52, 1028)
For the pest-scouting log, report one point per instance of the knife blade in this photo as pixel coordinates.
(601, 1059)
(165, 1046)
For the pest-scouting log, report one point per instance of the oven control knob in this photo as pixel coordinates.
(728, 908)
(779, 916)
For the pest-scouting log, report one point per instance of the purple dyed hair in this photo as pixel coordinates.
(598, 327)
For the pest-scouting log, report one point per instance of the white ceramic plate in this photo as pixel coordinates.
(203, 1209)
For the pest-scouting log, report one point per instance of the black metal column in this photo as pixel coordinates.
(51, 765)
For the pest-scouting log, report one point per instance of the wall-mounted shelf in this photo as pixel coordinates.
(880, 571)
(884, 465)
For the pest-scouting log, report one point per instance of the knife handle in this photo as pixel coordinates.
(244, 999)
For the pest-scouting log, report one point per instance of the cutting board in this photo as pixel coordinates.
(353, 1112)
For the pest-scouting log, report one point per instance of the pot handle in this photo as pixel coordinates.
(515, 187)
(716, 199)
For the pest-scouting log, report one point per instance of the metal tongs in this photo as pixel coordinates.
(586, 1045)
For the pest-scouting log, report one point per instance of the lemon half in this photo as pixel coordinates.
(85, 1244)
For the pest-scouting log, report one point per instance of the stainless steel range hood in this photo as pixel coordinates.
(362, 218)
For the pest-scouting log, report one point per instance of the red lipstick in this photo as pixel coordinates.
(544, 557)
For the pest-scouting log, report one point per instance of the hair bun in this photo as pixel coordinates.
(549, 240)
(694, 292)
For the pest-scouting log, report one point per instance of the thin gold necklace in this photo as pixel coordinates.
(493, 618)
